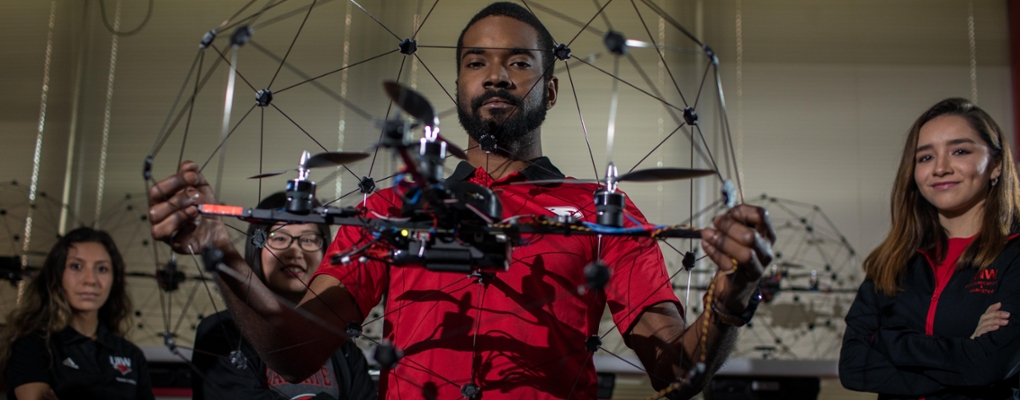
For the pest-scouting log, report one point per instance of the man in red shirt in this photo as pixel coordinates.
(523, 333)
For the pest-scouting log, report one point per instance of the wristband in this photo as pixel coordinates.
(744, 317)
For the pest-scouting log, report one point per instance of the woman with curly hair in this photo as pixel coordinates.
(66, 338)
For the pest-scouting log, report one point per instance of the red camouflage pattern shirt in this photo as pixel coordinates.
(531, 321)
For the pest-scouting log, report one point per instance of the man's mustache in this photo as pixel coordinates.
(503, 94)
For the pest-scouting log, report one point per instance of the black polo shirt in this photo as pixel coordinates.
(77, 367)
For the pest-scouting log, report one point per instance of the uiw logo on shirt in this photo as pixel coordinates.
(566, 211)
(986, 275)
(984, 282)
(122, 364)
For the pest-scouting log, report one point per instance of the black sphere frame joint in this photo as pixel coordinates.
(470, 390)
(690, 116)
(408, 47)
(562, 52)
(207, 39)
(354, 330)
(263, 98)
(615, 42)
(366, 185)
(241, 36)
(593, 343)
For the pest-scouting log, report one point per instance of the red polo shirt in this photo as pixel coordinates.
(531, 322)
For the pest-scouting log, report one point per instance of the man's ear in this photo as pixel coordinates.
(552, 88)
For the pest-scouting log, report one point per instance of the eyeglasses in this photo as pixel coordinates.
(282, 241)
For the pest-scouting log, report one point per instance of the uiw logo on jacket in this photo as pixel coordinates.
(984, 281)
(122, 364)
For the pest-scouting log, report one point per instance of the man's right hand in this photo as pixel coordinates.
(173, 211)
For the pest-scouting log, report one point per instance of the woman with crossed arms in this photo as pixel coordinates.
(951, 262)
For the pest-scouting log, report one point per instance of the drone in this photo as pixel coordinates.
(452, 226)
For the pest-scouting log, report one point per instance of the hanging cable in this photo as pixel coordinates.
(342, 124)
(116, 20)
(973, 52)
(740, 89)
(38, 146)
(413, 79)
(106, 118)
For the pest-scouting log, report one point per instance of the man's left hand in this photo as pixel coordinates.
(741, 245)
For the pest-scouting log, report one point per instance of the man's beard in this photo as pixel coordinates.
(512, 134)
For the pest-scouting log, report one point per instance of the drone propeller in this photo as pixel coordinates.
(642, 175)
(419, 108)
(663, 174)
(334, 159)
(321, 160)
(378, 123)
(271, 174)
(609, 203)
(451, 148)
(412, 103)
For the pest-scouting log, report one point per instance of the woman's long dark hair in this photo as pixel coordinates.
(44, 308)
(915, 221)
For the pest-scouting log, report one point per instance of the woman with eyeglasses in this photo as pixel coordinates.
(284, 257)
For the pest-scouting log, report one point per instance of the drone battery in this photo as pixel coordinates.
(609, 208)
(490, 254)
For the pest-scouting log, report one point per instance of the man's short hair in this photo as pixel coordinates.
(507, 9)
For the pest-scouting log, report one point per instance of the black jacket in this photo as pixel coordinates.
(77, 367)
(885, 348)
(218, 379)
